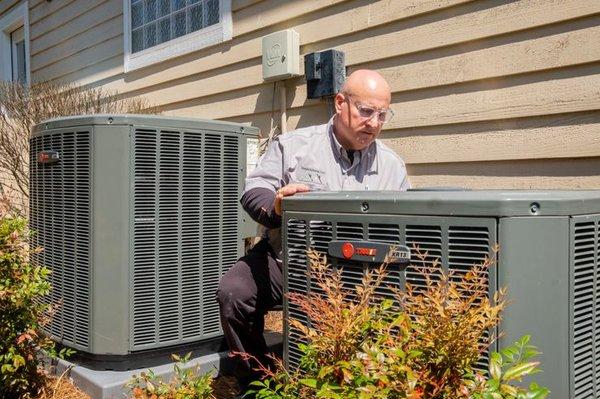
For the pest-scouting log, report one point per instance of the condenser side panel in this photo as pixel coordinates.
(534, 266)
(110, 278)
(584, 291)
(60, 206)
(248, 159)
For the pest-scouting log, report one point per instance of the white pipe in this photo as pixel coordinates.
(283, 107)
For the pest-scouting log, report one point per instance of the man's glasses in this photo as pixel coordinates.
(366, 112)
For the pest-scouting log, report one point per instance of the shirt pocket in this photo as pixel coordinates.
(315, 179)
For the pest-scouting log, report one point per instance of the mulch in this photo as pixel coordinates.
(61, 387)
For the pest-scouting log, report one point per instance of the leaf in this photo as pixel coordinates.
(537, 392)
(18, 361)
(7, 368)
(509, 390)
(524, 340)
(495, 366)
(510, 352)
(519, 371)
(150, 387)
(22, 338)
(309, 382)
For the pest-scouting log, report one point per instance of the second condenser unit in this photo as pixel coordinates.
(139, 218)
(549, 261)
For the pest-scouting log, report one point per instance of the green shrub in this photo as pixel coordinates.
(185, 384)
(423, 345)
(22, 314)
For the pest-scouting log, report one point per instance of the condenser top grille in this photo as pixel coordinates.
(156, 121)
(493, 203)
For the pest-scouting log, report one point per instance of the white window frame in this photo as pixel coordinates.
(200, 39)
(14, 19)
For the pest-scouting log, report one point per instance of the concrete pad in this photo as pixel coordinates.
(111, 384)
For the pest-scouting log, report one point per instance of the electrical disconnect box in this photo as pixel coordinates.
(281, 55)
(325, 73)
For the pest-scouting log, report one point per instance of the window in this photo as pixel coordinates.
(18, 58)
(14, 45)
(156, 30)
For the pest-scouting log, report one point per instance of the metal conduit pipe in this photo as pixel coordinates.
(283, 107)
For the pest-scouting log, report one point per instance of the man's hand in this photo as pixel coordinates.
(286, 191)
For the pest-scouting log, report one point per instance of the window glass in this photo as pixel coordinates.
(213, 12)
(18, 56)
(157, 21)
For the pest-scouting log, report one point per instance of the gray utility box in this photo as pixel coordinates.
(549, 261)
(139, 218)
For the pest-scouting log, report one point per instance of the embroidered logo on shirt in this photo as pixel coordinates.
(312, 177)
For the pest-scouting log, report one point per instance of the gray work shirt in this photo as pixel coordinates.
(313, 156)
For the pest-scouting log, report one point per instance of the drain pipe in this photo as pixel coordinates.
(283, 107)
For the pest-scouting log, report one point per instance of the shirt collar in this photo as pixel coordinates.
(367, 155)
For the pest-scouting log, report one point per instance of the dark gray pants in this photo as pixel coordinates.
(246, 292)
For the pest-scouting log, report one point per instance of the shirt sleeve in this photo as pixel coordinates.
(269, 172)
(405, 184)
(394, 176)
(259, 202)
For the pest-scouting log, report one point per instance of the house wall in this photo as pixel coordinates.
(487, 94)
(5, 5)
(9, 191)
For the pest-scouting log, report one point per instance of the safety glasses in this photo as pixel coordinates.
(366, 112)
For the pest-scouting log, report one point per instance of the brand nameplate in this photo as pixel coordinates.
(368, 251)
(49, 156)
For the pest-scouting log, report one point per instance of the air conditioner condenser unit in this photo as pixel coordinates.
(549, 261)
(139, 218)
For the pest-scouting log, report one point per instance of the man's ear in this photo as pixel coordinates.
(338, 101)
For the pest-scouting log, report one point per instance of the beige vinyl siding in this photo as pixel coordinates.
(486, 93)
(554, 136)
(9, 190)
(6, 5)
(103, 12)
(88, 39)
(54, 12)
(575, 173)
(74, 35)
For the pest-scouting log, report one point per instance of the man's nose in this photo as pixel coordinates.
(373, 121)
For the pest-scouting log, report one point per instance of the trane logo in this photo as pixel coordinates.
(348, 250)
(49, 156)
(366, 251)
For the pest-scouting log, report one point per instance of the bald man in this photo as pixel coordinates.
(342, 155)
